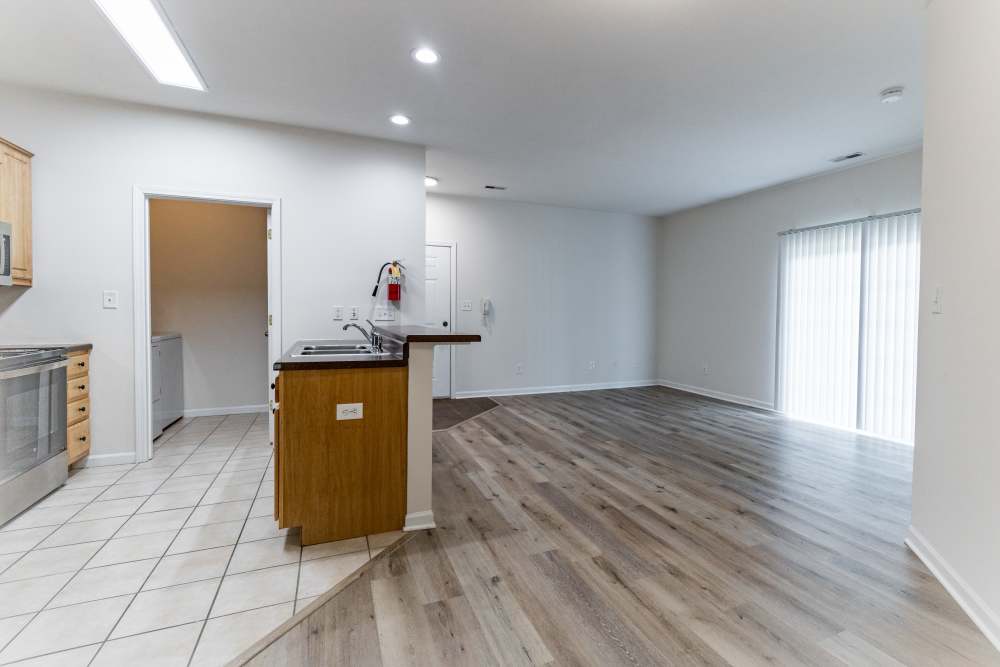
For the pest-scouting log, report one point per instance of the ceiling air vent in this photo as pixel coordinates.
(495, 187)
(849, 156)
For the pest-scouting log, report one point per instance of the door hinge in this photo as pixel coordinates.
(268, 234)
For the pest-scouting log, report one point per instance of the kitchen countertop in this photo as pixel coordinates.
(396, 341)
(419, 334)
(394, 355)
(69, 347)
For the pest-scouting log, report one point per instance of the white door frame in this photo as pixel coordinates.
(452, 306)
(142, 326)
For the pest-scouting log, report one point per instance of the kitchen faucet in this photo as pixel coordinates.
(374, 338)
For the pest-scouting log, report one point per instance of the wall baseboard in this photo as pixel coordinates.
(719, 395)
(98, 460)
(230, 410)
(419, 521)
(556, 389)
(987, 620)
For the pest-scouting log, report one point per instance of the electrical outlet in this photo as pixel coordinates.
(591, 365)
(937, 301)
(355, 312)
(338, 312)
(385, 315)
(467, 306)
(110, 299)
(704, 370)
(350, 411)
(519, 368)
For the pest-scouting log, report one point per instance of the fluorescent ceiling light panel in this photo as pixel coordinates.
(145, 29)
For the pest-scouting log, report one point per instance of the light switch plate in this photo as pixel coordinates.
(110, 299)
(350, 411)
(355, 312)
(338, 312)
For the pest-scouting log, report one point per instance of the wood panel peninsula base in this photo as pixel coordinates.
(352, 443)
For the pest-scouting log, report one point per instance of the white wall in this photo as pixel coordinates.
(569, 286)
(348, 204)
(956, 476)
(208, 282)
(718, 275)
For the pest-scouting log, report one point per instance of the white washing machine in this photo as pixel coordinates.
(167, 380)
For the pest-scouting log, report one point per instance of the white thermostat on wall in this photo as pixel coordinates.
(350, 411)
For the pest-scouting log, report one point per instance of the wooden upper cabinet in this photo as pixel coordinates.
(15, 207)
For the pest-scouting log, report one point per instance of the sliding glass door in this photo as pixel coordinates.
(847, 325)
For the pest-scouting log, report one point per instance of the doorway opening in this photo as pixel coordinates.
(440, 290)
(208, 309)
(207, 270)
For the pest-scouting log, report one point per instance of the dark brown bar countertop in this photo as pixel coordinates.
(69, 347)
(419, 334)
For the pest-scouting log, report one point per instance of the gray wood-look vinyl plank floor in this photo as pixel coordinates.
(647, 527)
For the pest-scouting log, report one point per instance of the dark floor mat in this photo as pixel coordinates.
(450, 412)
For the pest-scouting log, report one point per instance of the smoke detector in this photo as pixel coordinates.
(891, 95)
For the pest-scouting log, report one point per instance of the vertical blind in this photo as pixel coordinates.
(847, 326)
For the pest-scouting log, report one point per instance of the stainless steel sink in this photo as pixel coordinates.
(326, 352)
(359, 346)
(341, 351)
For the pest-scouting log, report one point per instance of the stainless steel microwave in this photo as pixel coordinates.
(6, 278)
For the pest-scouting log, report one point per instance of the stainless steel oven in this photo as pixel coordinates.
(32, 426)
(6, 276)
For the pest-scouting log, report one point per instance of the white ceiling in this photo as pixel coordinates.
(647, 106)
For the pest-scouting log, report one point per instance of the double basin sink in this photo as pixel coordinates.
(333, 350)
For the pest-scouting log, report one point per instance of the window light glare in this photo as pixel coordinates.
(399, 119)
(146, 32)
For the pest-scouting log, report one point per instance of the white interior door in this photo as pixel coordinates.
(439, 311)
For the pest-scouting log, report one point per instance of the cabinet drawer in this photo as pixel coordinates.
(77, 388)
(79, 365)
(77, 411)
(78, 440)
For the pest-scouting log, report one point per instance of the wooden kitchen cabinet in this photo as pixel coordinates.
(345, 478)
(15, 207)
(78, 405)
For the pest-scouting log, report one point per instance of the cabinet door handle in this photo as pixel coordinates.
(81, 387)
(81, 364)
(82, 408)
(83, 438)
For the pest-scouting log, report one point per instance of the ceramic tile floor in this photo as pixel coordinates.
(176, 561)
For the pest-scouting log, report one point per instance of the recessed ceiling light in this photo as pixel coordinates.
(891, 95)
(399, 119)
(426, 55)
(145, 29)
(430, 181)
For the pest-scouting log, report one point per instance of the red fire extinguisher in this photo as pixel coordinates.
(394, 282)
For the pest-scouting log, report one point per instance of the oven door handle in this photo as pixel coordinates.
(32, 370)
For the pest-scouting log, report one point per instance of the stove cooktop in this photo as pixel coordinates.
(19, 357)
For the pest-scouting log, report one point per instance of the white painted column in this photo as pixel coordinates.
(419, 426)
(419, 436)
